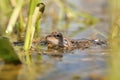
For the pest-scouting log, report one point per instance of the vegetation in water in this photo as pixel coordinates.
(28, 20)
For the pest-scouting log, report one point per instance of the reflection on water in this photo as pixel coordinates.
(78, 64)
(9, 72)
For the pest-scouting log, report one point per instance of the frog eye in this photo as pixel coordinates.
(57, 35)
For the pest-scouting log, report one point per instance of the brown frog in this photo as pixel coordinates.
(56, 41)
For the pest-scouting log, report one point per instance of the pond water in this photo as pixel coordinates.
(79, 63)
(88, 64)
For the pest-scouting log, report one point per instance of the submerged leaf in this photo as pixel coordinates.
(7, 52)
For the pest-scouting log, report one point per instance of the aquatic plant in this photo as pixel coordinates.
(35, 12)
(7, 53)
(14, 17)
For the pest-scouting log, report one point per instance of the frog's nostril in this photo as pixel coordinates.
(48, 36)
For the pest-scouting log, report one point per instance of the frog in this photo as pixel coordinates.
(56, 40)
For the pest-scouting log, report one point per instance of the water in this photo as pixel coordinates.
(80, 63)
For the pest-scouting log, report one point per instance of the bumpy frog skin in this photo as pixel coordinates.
(57, 40)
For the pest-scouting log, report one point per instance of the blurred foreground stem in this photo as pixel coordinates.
(115, 40)
(14, 16)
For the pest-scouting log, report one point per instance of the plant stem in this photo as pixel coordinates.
(34, 16)
(14, 17)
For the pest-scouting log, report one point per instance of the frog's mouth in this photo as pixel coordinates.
(53, 40)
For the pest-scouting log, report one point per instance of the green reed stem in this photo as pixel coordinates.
(14, 17)
(38, 14)
(30, 26)
(35, 14)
